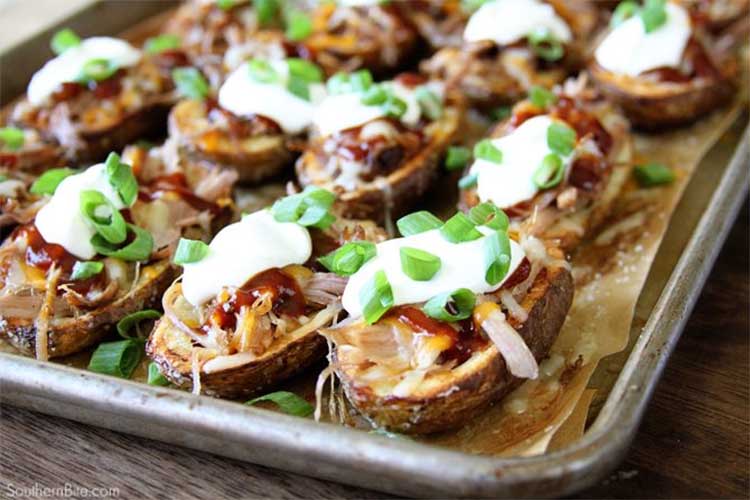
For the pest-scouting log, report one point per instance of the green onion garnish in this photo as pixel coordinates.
(418, 264)
(541, 97)
(500, 113)
(189, 251)
(451, 306)
(360, 81)
(459, 229)
(653, 174)
(550, 173)
(376, 297)
(310, 208)
(654, 14)
(287, 402)
(496, 257)
(625, 10)
(106, 220)
(348, 259)
(122, 179)
(190, 83)
(84, 270)
(47, 182)
(298, 87)
(394, 107)
(131, 320)
(138, 249)
(64, 40)
(97, 70)
(162, 43)
(417, 222)
(262, 71)
(546, 45)
(430, 104)
(298, 25)
(304, 70)
(374, 96)
(119, 358)
(561, 138)
(338, 84)
(154, 375)
(487, 214)
(485, 150)
(12, 138)
(468, 181)
(225, 4)
(457, 157)
(266, 10)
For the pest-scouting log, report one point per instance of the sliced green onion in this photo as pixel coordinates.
(459, 229)
(138, 249)
(3, 177)
(451, 306)
(394, 107)
(376, 298)
(131, 320)
(496, 257)
(85, 270)
(97, 70)
(106, 220)
(470, 6)
(653, 174)
(625, 10)
(546, 45)
(189, 251)
(310, 208)
(47, 182)
(487, 214)
(500, 113)
(348, 259)
(417, 222)
(374, 96)
(190, 83)
(12, 137)
(468, 181)
(266, 11)
(298, 87)
(288, 402)
(561, 138)
(430, 104)
(304, 70)
(64, 40)
(162, 43)
(485, 150)
(457, 157)
(262, 71)
(226, 4)
(653, 14)
(360, 81)
(338, 84)
(154, 375)
(418, 264)
(119, 358)
(298, 25)
(550, 173)
(541, 97)
(122, 179)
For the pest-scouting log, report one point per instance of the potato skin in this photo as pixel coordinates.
(70, 335)
(451, 404)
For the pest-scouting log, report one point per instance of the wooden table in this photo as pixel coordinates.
(693, 441)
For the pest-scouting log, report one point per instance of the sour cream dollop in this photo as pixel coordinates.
(511, 181)
(244, 96)
(68, 66)
(60, 221)
(508, 21)
(462, 266)
(629, 50)
(243, 249)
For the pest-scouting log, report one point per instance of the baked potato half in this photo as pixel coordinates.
(250, 337)
(567, 206)
(494, 73)
(380, 166)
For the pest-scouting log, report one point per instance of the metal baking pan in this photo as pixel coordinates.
(327, 451)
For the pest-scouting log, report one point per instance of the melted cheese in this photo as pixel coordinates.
(68, 66)
(511, 181)
(60, 221)
(243, 249)
(508, 21)
(629, 50)
(462, 266)
(244, 96)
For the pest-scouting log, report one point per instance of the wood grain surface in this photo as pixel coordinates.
(693, 442)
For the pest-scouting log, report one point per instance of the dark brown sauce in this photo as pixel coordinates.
(175, 183)
(241, 127)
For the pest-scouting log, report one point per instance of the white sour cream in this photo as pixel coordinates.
(244, 96)
(629, 50)
(60, 221)
(462, 266)
(243, 249)
(508, 21)
(68, 66)
(511, 181)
